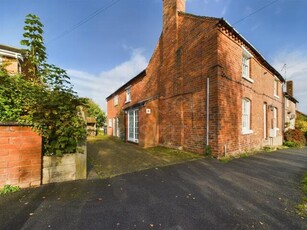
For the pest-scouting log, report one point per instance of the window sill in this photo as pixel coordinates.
(127, 102)
(245, 132)
(248, 79)
(136, 141)
(276, 96)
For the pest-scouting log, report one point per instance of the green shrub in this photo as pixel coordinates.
(296, 136)
(291, 144)
(301, 125)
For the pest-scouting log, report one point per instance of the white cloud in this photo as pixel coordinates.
(296, 63)
(98, 87)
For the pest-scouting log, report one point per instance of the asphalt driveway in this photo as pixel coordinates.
(258, 192)
(108, 157)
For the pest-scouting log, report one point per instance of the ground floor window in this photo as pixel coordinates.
(265, 127)
(246, 116)
(133, 125)
(116, 131)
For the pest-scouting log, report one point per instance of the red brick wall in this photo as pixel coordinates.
(20, 156)
(232, 88)
(12, 65)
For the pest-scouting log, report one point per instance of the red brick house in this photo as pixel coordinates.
(205, 87)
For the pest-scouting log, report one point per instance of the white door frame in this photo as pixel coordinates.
(134, 126)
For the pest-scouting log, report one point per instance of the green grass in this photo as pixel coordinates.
(9, 189)
(228, 158)
(302, 207)
(110, 157)
(268, 149)
(170, 155)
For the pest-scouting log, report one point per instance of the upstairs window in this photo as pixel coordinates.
(246, 116)
(116, 100)
(128, 94)
(276, 85)
(245, 67)
(246, 56)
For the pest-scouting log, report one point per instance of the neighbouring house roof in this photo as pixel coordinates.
(11, 51)
(137, 77)
(288, 96)
(300, 113)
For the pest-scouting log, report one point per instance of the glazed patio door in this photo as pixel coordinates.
(133, 125)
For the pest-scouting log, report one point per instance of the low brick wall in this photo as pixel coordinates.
(20, 156)
(69, 167)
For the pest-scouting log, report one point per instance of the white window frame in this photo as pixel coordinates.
(117, 128)
(276, 91)
(275, 118)
(128, 94)
(265, 127)
(115, 100)
(246, 116)
(110, 122)
(287, 102)
(135, 125)
(114, 127)
(246, 56)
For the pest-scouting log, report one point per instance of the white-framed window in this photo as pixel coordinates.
(246, 116)
(110, 122)
(128, 94)
(275, 118)
(287, 102)
(265, 127)
(246, 56)
(115, 100)
(276, 85)
(133, 125)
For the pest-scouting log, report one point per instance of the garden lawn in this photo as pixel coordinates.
(109, 157)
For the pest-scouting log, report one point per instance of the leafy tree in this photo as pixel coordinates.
(46, 101)
(36, 53)
(301, 123)
(93, 110)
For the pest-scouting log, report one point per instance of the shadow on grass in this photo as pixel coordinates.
(109, 157)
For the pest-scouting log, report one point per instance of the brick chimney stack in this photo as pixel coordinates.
(290, 88)
(170, 9)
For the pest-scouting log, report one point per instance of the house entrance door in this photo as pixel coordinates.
(133, 125)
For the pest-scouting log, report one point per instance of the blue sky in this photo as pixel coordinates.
(117, 43)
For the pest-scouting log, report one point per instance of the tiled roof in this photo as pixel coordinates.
(139, 76)
(12, 49)
(290, 97)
